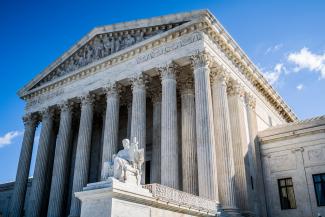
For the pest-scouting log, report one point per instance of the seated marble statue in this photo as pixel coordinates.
(126, 164)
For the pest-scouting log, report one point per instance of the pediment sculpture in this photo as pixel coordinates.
(103, 45)
(126, 164)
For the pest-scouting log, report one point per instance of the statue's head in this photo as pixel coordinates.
(126, 143)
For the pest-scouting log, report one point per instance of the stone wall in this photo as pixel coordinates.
(294, 151)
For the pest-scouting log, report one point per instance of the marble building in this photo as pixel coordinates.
(179, 84)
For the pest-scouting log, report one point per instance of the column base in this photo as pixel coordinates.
(230, 212)
(248, 214)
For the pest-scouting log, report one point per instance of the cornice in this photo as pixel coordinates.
(237, 56)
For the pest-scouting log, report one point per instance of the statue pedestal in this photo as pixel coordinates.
(114, 198)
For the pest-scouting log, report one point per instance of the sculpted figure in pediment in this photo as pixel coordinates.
(97, 47)
(139, 36)
(117, 43)
(129, 40)
(107, 44)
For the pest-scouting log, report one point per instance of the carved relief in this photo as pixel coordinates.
(104, 45)
(316, 155)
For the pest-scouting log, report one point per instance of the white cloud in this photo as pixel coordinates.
(7, 139)
(305, 59)
(273, 48)
(273, 76)
(300, 86)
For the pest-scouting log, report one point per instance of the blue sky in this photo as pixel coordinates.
(284, 38)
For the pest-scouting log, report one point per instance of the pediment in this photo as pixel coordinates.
(101, 46)
(105, 41)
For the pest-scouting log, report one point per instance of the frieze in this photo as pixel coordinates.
(170, 47)
(44, 98)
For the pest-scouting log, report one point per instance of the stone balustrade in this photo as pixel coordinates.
(180, 198)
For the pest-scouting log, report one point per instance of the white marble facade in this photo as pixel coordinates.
(295, 151)
(179, 84)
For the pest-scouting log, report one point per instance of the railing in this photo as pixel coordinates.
(173, 196)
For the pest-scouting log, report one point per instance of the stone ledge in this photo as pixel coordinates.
(180, 198)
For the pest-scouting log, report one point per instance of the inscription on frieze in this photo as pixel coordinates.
(189, 39)
(44, 98)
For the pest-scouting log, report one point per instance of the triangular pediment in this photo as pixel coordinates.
(105, 41)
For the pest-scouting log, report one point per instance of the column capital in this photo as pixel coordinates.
(168, 71)
(139, 81)
(113, 89)
(219, 74)
(66, 106)
(30, 119)
(87, 99)
(235, 88)
(200, 60)
(250, 100)
(46, 113)
(126, 100)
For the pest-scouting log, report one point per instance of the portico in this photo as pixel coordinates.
(177, 83)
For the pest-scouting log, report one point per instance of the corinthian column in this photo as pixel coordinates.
(225, 159)
(61, 160)
(138, 118)
(39, 177)
(189, 149)
(80, 176)
(255, 157)
(155, 176)
(19, 192)
(111, 123)
(206, 155)
(169, 136)
(239, 141)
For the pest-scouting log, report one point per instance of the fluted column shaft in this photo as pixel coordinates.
(169, 135)
(80, 176)
(129, 107)
(206, 155)
(19, 192)
(155, 176)
(225, 160)
(138, 119)
(189, 149)
(255, 158)
(239, 140)
(39, 177)
(111, 124)
(61, 160)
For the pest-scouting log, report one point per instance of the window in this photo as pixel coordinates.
(287, 195)
(319, 184)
